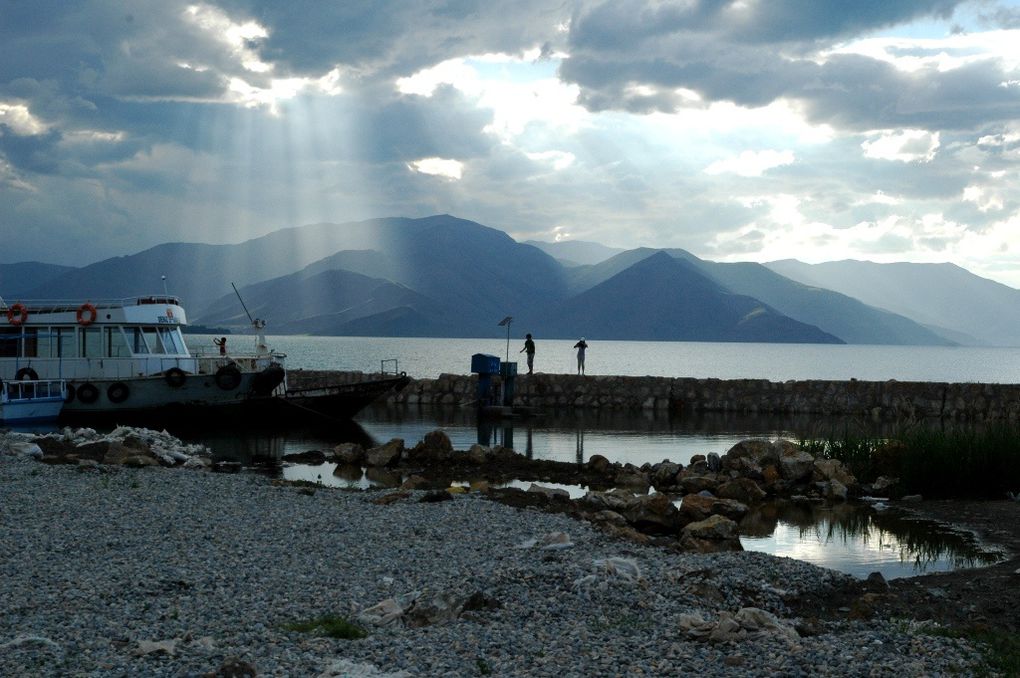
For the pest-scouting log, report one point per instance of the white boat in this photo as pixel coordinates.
(129, 356)
(30, 402)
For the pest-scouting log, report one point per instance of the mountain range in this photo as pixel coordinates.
(442, 276)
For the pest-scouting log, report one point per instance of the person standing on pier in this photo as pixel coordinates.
(529, 347)
(580, 346)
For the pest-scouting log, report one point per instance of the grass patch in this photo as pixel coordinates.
(1001, 649)
(967, 461)
(332, 626)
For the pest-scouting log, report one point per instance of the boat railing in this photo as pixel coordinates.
(66, 305)
(35, 389)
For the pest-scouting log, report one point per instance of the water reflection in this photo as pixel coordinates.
(858, 539)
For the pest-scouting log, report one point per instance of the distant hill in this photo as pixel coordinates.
(576, 252)
(331, 302)
(663, 298)
(948, 299)
(18, 280)
(836, 314)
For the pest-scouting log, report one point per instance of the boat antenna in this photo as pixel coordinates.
(165, 293)
(250, 319)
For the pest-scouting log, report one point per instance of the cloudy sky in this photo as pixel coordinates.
(738, 130)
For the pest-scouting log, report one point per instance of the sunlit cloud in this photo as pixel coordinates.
(909, 145)
(516, 99)
(441, 167)
(983, 198)
(942, 54)
(237, 36)
(751, 163)
(560, 160)
(19, 119)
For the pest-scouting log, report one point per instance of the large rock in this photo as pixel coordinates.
(691, 482)
(759, 452)
(385, 455)
(435, 447)
(833, 469)
(599, 464)
(744, 490)
(633, 479)
(795, 465)
(697, 507)
(715, 533)
(664, 474)
(349, 454)
(649, 513)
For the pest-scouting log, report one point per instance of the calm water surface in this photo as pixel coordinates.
(428, 358)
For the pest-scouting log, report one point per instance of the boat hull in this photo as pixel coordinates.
(315, 406)
(30, 411)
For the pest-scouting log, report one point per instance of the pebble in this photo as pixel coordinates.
(178, 572)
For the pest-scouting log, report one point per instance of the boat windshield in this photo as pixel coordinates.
(171, 340)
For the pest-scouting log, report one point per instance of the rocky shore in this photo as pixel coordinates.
(136, 560)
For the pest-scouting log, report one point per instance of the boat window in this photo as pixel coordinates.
(137, 340)
(30, 345)
(171, 340)
(9, 341)
(91, 343)
(47, 343)
(64, 341)
(116, 345)
(153, 340)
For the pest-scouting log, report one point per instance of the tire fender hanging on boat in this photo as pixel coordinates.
(88, 393)
(175, 377)
(87, 314)
(70, 393)
(26, 373)
(118, 392)
(17, 314)
(228, 377)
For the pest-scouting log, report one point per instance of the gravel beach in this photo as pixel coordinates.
(116, 571)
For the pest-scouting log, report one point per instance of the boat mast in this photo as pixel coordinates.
(257, 323)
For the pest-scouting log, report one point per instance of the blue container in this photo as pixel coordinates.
(482, 363)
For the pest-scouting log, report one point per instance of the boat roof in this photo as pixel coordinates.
(51, 306)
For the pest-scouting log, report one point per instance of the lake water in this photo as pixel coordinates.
(428, 358)
(853, 539)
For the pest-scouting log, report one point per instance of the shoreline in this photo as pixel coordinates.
(157, 571)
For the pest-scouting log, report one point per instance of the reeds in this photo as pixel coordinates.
(957, 461)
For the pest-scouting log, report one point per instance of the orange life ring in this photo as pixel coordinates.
(89, 309)
(17, 314)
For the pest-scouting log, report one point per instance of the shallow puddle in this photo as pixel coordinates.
(859, 539)
(855, 537)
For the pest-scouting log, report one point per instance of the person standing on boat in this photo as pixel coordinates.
(580, 346)
(529, 347)
(222, 343)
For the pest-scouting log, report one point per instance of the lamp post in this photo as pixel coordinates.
(506, 321)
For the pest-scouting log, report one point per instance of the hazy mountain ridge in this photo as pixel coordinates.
(663, 298)
(943, 297)
(444, 276)
(18, 279)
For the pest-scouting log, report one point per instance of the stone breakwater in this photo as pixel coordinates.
(890, 400)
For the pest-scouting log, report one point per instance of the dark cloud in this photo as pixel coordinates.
(620, 26)
(396, 38)
(770, 53)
